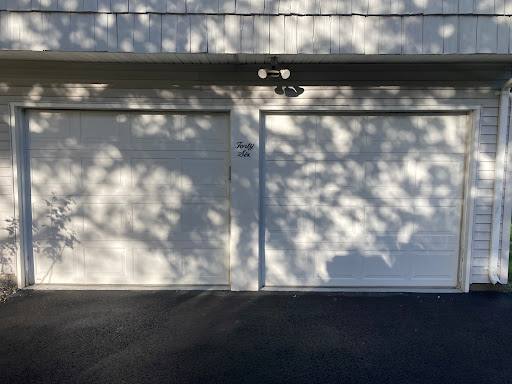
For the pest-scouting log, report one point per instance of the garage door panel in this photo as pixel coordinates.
(387, 218)
(101, 127)
(384, 265)
(121, 209)
(447, 132)
(285, 218)
(440, 174)
(105, 217)
(154, 220)
(148, 174)
(339, 221)
(384, 133)
(53, 128)
(383, 173)
(51, 261)
(148, 127)
(105, 260)
(289, 178)
(205, 129)
(338, 133)
(337, 265)
(432, 265)
(436, 219)
(52, 171)
(285, 266)
(203, 172)
(360, 218)
(207, 263)
(337, 175)
(154, 264)
(103, 175)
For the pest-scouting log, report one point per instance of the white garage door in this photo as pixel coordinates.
(363, 201)
(129, 198)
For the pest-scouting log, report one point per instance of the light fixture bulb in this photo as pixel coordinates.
(285, 73)
(262, 73)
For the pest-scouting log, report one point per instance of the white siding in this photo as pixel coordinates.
(269, 7)
(324, 34)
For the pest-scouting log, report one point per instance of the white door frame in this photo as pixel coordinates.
(21, 173)
(246, 268)
(469, 184)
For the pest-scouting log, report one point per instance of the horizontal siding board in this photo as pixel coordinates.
(433, 34)
(177, 6)
(169, 33)
(233, 33)
(450, 7)
(413, 35)
(198, 34)
(346, 32)
(290, 34)
(257, 6)
(5, 36)
(432, 7)
(69, 5)
(269, 7)
(120, 6)
(390, 35)
(304, 34)
(327, 7)
(183, 34)
(216, 36)
(416, 7)
(248, 34)
(379, 7)
(466, 7)
(137, 6)
(487, 30)
(344, 7)
(125, 29)
(101, 31)
(104, 6)
(503, 35)
(468, 25)
(90, 5)
(321, 35)
(18, 5)
(277, 33)
(499, 7)
(272, 7)
(450, 34)
(155, 33)
(112, 33)
(360, 7)
(82, 35)
(484, 7)
(141, 41)
(358, 34)
(371, 35)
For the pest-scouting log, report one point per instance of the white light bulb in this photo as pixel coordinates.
(262, 73)
(285, 73)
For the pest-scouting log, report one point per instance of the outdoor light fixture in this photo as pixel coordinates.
(274, 72)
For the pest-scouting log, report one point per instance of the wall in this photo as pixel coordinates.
(142, 85)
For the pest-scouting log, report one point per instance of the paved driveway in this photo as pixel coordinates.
(224, 337)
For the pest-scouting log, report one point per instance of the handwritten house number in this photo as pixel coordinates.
(244, 149)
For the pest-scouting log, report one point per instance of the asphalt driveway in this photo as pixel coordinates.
(225, 337)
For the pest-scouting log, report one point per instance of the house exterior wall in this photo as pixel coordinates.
(392, 27)
(77, 85)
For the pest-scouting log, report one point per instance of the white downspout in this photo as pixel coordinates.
(497, 202)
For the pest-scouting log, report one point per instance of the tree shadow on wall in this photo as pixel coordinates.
(52, 234)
